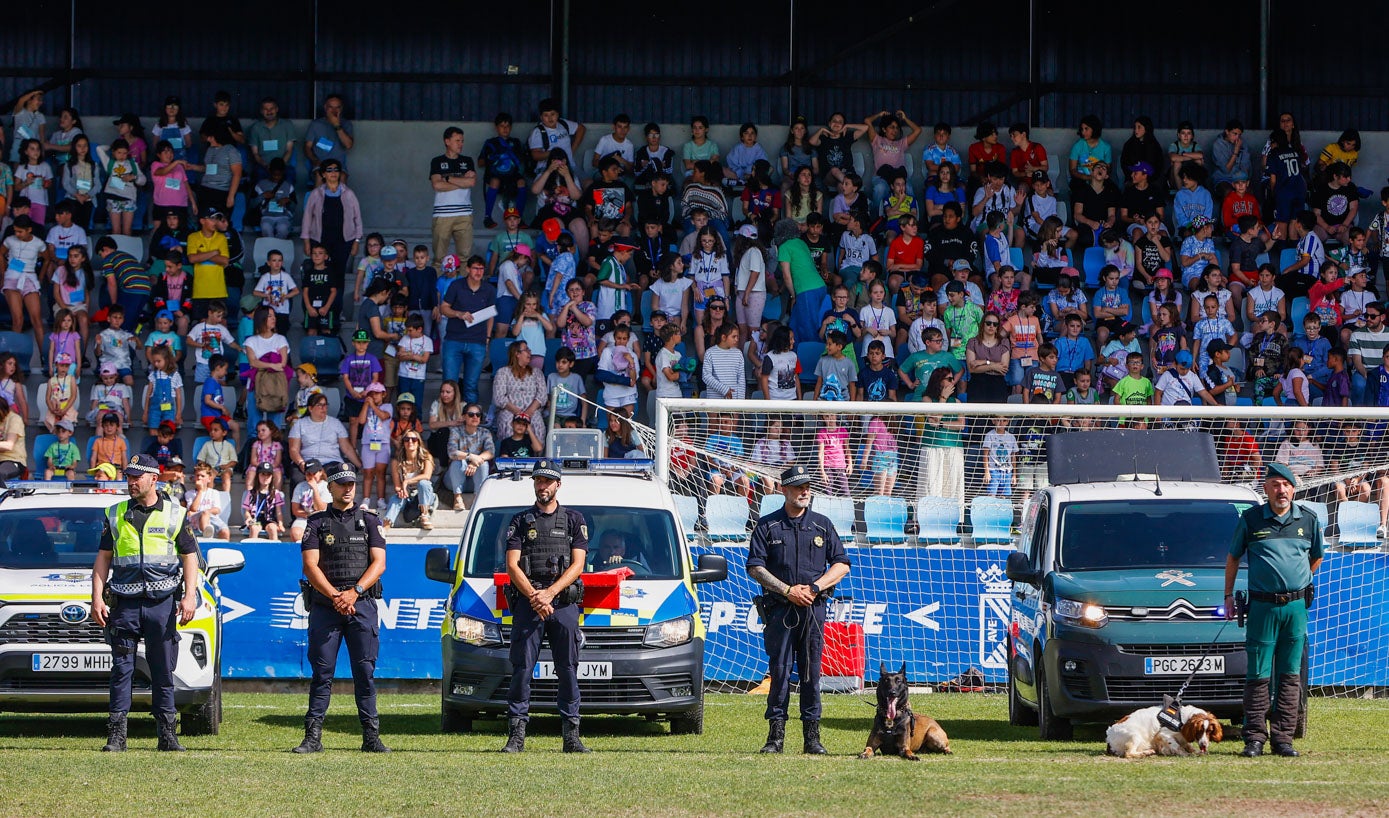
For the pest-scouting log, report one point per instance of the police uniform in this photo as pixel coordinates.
(147, 545)
(545, 542)
(344, 540)
(797, 551)
(1281, 550)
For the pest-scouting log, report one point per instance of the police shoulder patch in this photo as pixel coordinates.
(583, 529)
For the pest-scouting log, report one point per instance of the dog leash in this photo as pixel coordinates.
(1170, 716)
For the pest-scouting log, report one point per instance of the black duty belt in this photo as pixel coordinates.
(1282, 598)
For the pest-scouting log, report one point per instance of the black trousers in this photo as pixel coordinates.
(328, 629)
(156, 622)
(562, 629)
(794, 636)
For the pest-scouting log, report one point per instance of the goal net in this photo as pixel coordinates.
(929, 498)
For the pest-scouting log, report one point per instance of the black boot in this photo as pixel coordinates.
(168, 733)
(1255, 730)
(115, 734)
(776, 736)
(313, 737)
(371, 738)
(1284, 722)
(516, 736)
(812, 745)
(572, 744)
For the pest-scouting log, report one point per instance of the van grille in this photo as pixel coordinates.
(1178, 611)
(601, 638)
(1152, 688)
(49, 627)
(1222, 648)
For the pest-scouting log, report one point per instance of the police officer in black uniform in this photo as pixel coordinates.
(545, 547)
(344, 556)
(796, 556)
(149, 551)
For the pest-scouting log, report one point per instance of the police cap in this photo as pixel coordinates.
(141, 464)
(795, 476)
(342, 473)
(546, 468)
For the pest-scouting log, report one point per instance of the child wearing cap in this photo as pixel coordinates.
(507, 240)
(108, 395)
(163, 335)
(374, 419)
(306, 377)
(61, 457)
(219, 453)
(262, 506)
(615, 292)
(522, 442)
(110, 447)
(360, 370)
(60, 398)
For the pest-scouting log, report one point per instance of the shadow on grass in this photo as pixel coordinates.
(978, 730)
(427, 724)
(92, 725)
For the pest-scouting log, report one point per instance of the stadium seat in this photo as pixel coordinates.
(1356, 523)
(41, 444)
(1237, 361)
(1286, 259)
(262, 248)
(197, 449)
(1297, 310)
(992, 519)
(1321, 510)
(1147, 312)
(688, 509)
(325, 352)
(646, 299)
(937, 520)
(1093, 260)
(773, 309)
(134, 245)
(808, 353)
(22, 345)
(496, 353)
(552, 346)
(770, 503)
(840, 510)
(726, 517)
(1015, 258)
(334, 396)
(885, 520)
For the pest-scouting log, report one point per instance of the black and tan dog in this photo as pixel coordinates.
(896, 729)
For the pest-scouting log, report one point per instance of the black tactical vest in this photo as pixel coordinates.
(342, 548)
(545, 545)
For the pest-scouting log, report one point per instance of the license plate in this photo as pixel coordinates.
(587, 670)
(71, 662)
(1182, 665)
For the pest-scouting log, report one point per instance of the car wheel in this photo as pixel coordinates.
(1051, 726)
(453, 720)
(206, 718)
(689, 723)
(1019, 714)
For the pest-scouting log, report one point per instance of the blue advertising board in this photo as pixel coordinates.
(939, 610)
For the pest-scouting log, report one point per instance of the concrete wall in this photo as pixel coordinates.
(389, 166)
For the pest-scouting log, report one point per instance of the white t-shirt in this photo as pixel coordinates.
(608, 146)
(560, 136)
(64, 237)
(666, 358)
(257, 347)
(276, 286)
(304, 492)
(856, 249)
(506, 271)
(1176, 389)
(214, 339)
(671, 295)
(318, 441)
(752, 272)
(914, 342)
(620, 360)
(35, 191)
(24, 254)
(414, 370)
(871, 317)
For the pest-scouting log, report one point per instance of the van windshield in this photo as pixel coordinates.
(1152, 534)
(643, 539)
(62, 537)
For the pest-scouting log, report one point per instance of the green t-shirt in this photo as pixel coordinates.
(942, 436)
(1131, 391)
(62, 455)
(962, 324)
(920, 365)
(1280, 549)
(804, 276)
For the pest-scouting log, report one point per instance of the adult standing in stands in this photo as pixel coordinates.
(453, 177)
(329, 136)
(221, 169)
(465, 338)
(333, 218)
(802, 279)
(270, 137)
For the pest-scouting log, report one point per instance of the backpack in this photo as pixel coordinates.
(272, 392)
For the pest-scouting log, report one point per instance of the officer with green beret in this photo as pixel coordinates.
(1283, 543)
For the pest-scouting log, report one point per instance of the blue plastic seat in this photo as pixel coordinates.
(198, 443)
(1092, 261)
(41, 444)
(726, 517)
(885, 520)
(496, 353)
(1357, 522)
(808, 353)
(325, 352)
(937, 520)
(22, 345)
(1286, 259)
(1320, 509)
(1015, 258)
(770, 503)
(1298, 310)
(992, 519)
(688, 509)
(773, 309)
(840, 510)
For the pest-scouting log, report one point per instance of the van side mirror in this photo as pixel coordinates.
(711, 568)
(436, 566)
(1019, 569)
(223, 561)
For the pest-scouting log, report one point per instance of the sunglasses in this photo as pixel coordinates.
(1374, 315)
(990, 323)
(717, 307)
(472, 414)
(412, 440)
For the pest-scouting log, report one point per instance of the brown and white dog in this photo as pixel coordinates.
(1139, 734)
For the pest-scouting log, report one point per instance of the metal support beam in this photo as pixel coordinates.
(793, 95)
(1034, 68)
(1265, 25)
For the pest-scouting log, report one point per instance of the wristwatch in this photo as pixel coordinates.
(359, 589)
(815, 589)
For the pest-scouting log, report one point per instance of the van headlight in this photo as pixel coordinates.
(1085, 614)
(669, 634)
(476, 631)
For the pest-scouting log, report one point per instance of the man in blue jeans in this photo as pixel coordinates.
(465, 338)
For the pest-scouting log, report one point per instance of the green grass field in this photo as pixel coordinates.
(49, 767)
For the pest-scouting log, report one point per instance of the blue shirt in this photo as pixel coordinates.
(464, 299)
(1111, 299)
(796, 551)
(1072, 355)
(1192, 203)
(212, 389)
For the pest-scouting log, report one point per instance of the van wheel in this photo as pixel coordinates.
(206, 718)
(453, 720)
(689, 723)
(1051, 726)
(1019, 714)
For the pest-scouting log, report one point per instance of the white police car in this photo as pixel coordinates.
(53, 656)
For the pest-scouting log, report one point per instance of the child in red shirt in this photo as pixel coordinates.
(906, 253)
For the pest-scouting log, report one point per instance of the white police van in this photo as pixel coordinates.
(1118, 582)
(53, 656)
(643, 638)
